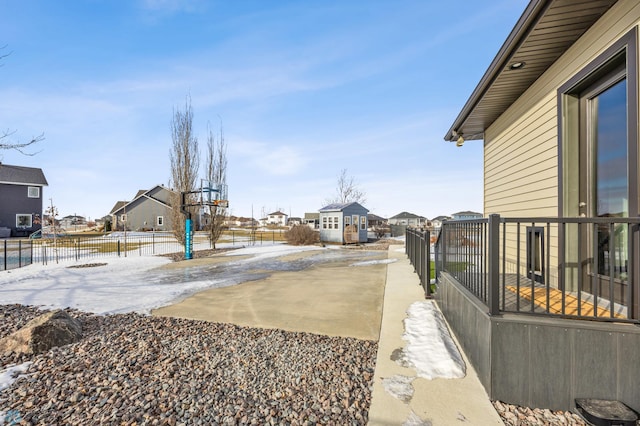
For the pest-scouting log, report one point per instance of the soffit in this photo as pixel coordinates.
(546, 29)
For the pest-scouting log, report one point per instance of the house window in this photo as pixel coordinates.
(33, 192)
(363, 222)
(347, 221)
(598, 151)
(123, 218)
(324, 222)
(336, 222)
(160, 221)
(23, 221)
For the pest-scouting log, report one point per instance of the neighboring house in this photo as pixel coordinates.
(407, 219)
(149, 210)
(292, 221)
(466, 215)
(312, 220)
(436, 222)
(69, 222)
(376, 221)
(277, 219)
(21, 195)
(343, 223)
(557, 112)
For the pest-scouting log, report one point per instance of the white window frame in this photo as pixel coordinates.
(324, 222)
(123, 218)
(160, 221)
(363, 223)
(33, 191)
(19, 215)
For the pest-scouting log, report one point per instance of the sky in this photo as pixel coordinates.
(301, 90)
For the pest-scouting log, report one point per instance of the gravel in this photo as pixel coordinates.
(143, 370)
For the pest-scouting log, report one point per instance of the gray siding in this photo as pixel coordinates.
(13, 201)
(536, 361)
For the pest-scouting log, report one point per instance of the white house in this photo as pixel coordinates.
(276, 218)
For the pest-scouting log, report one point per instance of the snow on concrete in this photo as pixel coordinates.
(430, 349)
(399, 387)
(374, 262)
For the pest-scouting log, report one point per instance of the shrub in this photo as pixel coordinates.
(300, 235)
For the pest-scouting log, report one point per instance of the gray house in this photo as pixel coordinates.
(407, 219)
(343, 223)
(21, 195)
(149, 210)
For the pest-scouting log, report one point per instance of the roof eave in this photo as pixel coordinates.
(524, 25)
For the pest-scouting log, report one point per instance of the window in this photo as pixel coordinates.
(33, 192)
(336, 222)
(123, 218)
(363, 222)
(324, 222)
(23, 221)
(160, 221)
(347, 221)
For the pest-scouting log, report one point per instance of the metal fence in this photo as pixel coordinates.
(585, 268)
(15, 254)
(417, 246)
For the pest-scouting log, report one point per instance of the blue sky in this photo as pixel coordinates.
(302, 89)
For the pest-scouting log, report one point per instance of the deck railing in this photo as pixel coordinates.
(585, 268)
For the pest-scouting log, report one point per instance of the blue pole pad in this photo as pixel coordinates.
(188, 242)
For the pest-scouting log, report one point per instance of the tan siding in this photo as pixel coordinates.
(521, 147)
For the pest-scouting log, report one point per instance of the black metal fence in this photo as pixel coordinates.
(585, 268)
(15, 254)
(417, 246)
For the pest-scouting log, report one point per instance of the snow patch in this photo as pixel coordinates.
(430, 349)
(415, 420)
(374, 262)
(399, 387)
(11, 374)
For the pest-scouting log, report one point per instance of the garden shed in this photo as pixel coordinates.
(344, 223)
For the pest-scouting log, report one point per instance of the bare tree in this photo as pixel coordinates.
(217, 175)
(5, 142)
(347, 190)
(184, 156)
(5, 135)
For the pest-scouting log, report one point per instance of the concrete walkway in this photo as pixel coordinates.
(438, 402)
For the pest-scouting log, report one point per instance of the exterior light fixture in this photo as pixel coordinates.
(516, 65)
(460, 141)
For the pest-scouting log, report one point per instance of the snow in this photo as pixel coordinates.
(430, 349)
(374, 262)
(124, 284)
(7, 376)
(11, 374)
(399, 386)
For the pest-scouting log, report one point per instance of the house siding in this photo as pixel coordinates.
(16, 197)
(521, 152)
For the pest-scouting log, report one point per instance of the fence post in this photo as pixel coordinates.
(5, 255)
(118, 248)
(494, 264)
(427, 254)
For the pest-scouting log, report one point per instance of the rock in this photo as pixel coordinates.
(49, 330)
